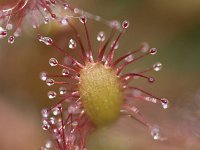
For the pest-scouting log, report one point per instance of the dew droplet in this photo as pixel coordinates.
(46, 20)
(165, 103)
(157, 66)
(3, 33)
(76, 147)
(44, 113)
(50, 82)
(115, 24)
(153, 51)
(17, 32)
(55, 111)
(151, 80)
(74, 123)
(65, 5)
(144, 47)
(11, 39)
(48, 144)
(52, 120)
(127, 78)
(53, 16)
(101, 36)
(116, 45)
(9, 26)
(125, 24)
(43, 76)
(64, 21)
(65, 72)
(56, 133)
(76, 10)
(129, 58)
(155, 132)
(62, 90)
(43, 148)
(83, 19)
(45, 126)
(97, 18)
(46, 40)
(72, 44)
(51, 94)
(53, 62)
(44, 9)
(104, 58)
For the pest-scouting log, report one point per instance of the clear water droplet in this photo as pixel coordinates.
(64, 21)
(125, 24)
(50, 82)
(65, 5)
(97, 18)
(17, 32)
(104, 59)
(116, 45)
(55, 111)
(129, 58)
(83, 19)
(11, 39)
(53, 16)
(157, 66)
(153, 51)
(76, 147)
(76, 10)
(9, 26)
(46, 20)
(115, 24)
(72, 44)
(127, 78)
(48, 144)
(51, 94)
(55, 132)
(151, 80)
(43, 76)
(74, 123)
(3, 33)
(155, 132)
(101, 36)
(165, 103)
(144, 47)
(46, 40)
(53, 62)
(44, 113)
(43, 148)
(52, 120)
(62, 90)
(45, 126)
(65, 72)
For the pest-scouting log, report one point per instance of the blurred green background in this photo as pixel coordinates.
(173, 27)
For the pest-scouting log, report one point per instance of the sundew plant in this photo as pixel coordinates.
(91, 92)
